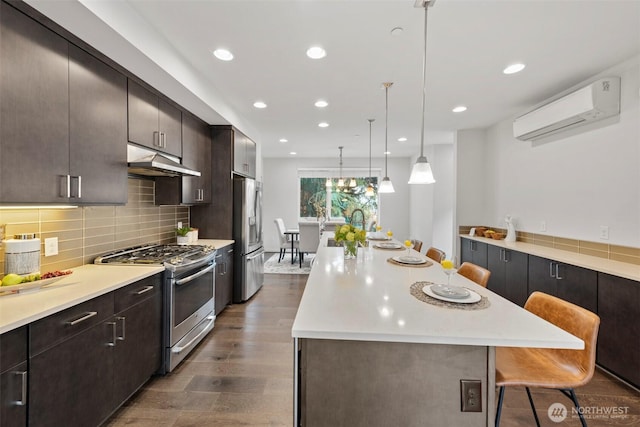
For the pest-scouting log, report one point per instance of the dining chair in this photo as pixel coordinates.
(417, 245)
(309, 238)
(559, 369)
(475, 273)
(436, 254)
(285, 243)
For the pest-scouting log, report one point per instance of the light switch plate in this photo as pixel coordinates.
(471, 395)
(51, 246)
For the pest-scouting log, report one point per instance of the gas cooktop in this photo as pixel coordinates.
(169, 255)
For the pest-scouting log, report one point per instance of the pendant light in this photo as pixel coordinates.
(353, 183)
(386, 186)
(369, 192)
(328, 183)
(340, 180)
(421, 172)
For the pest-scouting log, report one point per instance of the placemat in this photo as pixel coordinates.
(394, 262)
(416, 291)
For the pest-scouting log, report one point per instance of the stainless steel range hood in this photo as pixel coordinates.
(147, 162)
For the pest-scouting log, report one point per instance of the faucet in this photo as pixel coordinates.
(361, 214)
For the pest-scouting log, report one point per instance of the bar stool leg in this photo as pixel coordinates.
(499, 411)
(572, 395)
(533, 408)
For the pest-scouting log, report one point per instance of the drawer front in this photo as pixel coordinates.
(58, 327)
(137, 292)
(13, 348)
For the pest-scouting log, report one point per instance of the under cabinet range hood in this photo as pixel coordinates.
(147, 162)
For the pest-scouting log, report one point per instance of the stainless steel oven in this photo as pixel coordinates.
(188, 294)
(190, 309)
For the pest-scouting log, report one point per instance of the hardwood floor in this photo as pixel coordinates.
(241, 375)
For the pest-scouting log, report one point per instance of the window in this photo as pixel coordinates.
(316, 200)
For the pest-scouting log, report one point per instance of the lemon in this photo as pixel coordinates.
(11, 279)
(389, 233)
(407, 243)
(447, 264)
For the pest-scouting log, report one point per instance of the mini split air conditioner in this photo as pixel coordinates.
(596, 101)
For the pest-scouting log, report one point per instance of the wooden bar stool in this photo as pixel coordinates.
(560, 369)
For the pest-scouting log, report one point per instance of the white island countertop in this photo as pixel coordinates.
(368, 299)
(86, 282)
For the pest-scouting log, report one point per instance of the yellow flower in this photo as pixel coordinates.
(345, 229)
(447, 264)
(351, 236)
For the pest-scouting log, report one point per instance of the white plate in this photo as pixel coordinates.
(379, 238)
(31, 286)
(409, 260)
(456, 292)
(473, 297)
(388, 245)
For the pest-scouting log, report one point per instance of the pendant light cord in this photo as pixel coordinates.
(424, 82)
(370, 121)
(386, 125)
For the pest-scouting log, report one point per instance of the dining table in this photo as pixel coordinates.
(293, 235)
(376, 345)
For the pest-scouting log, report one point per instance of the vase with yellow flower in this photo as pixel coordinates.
(349, 237)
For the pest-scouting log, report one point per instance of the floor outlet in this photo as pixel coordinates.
(604, 232)
(471, 395)
(51, 246)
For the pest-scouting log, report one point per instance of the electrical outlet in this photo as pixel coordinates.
(471, 395)
(51, 246)
(543, 225)
(604, 232)
(179, 224)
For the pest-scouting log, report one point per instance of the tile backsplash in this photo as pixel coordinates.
(84, 233)
(603, 250)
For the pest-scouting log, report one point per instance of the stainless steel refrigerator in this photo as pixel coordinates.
(247, 233)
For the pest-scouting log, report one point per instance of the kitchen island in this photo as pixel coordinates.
(368, 352)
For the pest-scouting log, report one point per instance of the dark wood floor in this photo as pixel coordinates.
(241, 375)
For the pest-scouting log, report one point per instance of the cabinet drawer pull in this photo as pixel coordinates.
(551, 270)
(23, 388)
(123, 320)
(89, 315)
(558, 272)
(144, 290)
(115, 334)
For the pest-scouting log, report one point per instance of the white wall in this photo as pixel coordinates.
(575, 184)
(281, 193)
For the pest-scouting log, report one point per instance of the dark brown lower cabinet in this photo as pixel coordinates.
(474, 252)
(509, 273)
(224, 278)
(87, 360)
(619, 336)
(13, 378)
(571, 283)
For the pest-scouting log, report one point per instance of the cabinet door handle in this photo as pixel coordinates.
(123, 320)
(163, 140)
(551, 273)
(558, 272)
(506, 257)
(156, 137)
(114, 336)
(79, 186)
(144, 290)
(81, 319)
(23, 388)
(68, 186)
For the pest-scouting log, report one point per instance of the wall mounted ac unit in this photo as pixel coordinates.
(596, 101)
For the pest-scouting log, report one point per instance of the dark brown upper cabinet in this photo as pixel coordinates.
(63, 129)
(196, 154)
(244, 155)
(153, 122)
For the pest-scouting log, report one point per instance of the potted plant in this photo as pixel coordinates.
(182, 233)
(350, 236)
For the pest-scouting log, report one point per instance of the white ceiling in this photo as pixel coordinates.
(169, 44)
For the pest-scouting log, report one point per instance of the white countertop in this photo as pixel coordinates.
(86, 282)
(615, 268)
(368, 299)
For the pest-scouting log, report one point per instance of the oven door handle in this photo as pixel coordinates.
(178, 349)
(195, 276)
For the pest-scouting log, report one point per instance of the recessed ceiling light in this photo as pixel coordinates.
(223, 54)
(316, 52)
(387, 153)
(459, 109)
(323, 124)
(402, 139)
(293, 153)
(283, 140)
(397, 31)
(513, 68)
(321, 103)
(259, 104)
